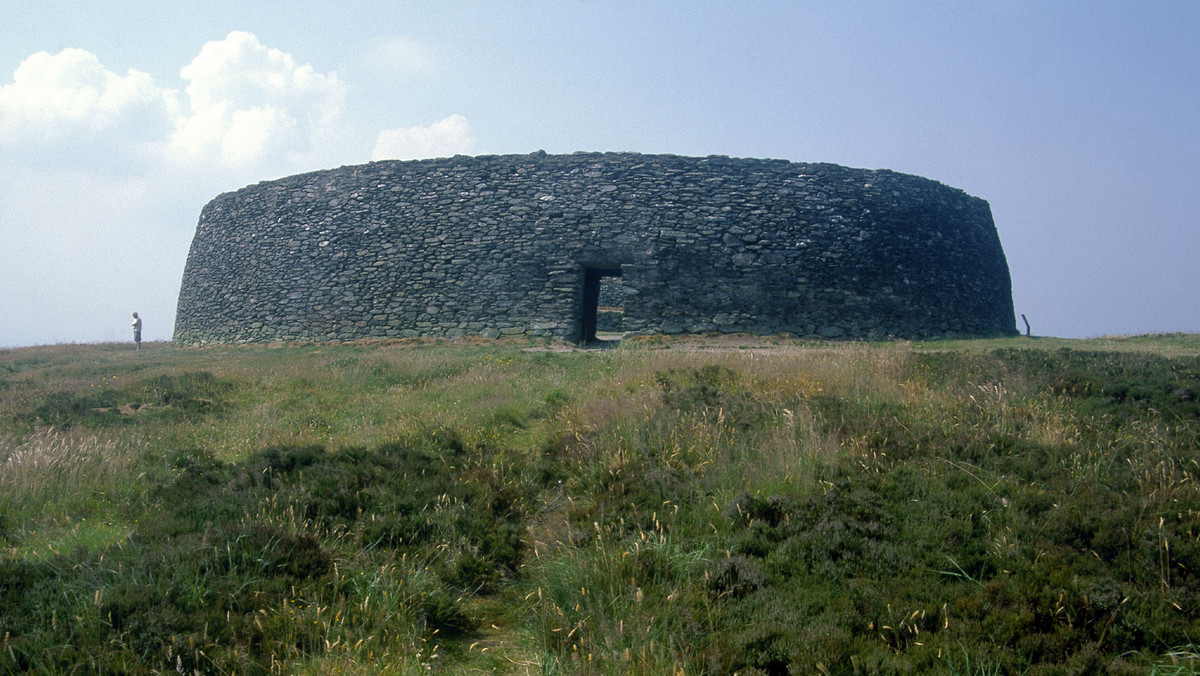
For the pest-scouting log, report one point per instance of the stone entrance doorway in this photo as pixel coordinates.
(601, 281)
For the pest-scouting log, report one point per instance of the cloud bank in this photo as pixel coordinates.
(243, 104)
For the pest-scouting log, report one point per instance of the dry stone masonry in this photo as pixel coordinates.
(520, 245)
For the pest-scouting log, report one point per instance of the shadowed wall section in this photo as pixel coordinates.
(512, 245)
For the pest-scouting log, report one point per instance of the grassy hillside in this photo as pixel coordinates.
(711, 506)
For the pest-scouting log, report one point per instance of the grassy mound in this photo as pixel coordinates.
(765, 507)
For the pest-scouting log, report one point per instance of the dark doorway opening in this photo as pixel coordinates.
(600, 323)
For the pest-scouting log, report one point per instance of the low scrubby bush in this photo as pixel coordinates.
(232, 546)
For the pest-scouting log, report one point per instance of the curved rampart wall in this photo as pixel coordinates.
(501, 246)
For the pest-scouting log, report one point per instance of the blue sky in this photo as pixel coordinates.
(1078, 121)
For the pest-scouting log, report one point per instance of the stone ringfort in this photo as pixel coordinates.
(549, 245)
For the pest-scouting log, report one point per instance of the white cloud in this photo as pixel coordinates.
(60, 98)
(248, 102)
(246, 109)
(244, 105)
(451, 136)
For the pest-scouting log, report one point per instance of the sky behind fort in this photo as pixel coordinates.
(1078, 121)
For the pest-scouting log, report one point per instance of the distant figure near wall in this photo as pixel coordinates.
(137, 330)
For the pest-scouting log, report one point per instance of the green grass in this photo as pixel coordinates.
(694, 506)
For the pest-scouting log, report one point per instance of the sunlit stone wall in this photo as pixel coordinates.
(498, 246)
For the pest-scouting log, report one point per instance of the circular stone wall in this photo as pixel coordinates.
(516, 245)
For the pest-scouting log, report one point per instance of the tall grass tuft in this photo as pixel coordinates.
(56, 476)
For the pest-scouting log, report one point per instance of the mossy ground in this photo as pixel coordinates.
(757, 506)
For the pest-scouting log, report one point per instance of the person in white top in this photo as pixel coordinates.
(137, 330)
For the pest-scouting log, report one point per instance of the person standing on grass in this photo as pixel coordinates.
(137, 330)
